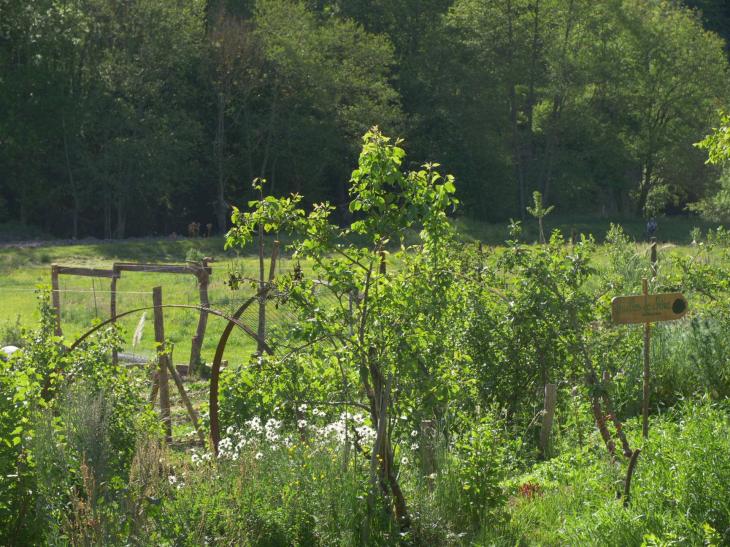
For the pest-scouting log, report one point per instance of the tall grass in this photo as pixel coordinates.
(679, 495)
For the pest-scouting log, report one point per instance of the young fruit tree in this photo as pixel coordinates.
(364, 328)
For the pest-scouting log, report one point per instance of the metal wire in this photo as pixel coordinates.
(2, 289)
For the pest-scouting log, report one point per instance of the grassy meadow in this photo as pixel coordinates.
(24, 268)
(288, 472)
(84, 299)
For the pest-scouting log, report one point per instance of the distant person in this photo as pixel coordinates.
(651, 227)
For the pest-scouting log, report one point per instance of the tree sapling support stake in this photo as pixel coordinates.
(646, 309)
(551, 395)
(647, 370)
(163, 358)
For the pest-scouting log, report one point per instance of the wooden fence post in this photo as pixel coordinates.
(645, 402)
(653, 259)
(197, 343)
(261, 331)
(186, 401)
(274, 258)
(113, 312)
(155, 387)
(428, 450)
(56, 298)
(162, 357)
(551, 397)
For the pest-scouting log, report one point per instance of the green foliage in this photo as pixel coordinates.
(475, 470)
(403, 398)
(717, 144)
(366, 333)
(140, 119)
(11, 333)
(715, 207)
(68, 428)
(675, 494)
(272, 214)
(660, 196)
(21, 400)
(539, 212)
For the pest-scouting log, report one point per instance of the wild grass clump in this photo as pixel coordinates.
(679, 493)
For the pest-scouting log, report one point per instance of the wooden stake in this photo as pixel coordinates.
(155, 387)
(261, 331)
(551, 396)
(186, 401)
(645, 402)
(272, 266)
(163, 359)
(428, 451)
(56, 298)
(629, 474)
(203, 277)
(113, 313)
(653, 259)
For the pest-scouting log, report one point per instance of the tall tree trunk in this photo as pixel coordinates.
(262, 285)
(529, 149)
(269, 132)
(107, 211)
(121, 198)
(121, 227)
(221, 205)
(645, 185)
(72, 183)
(550, 148)
(559, 99)
(517, 155)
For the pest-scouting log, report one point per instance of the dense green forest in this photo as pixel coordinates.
(138, 117)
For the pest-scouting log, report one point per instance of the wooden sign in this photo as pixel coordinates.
(648, 308)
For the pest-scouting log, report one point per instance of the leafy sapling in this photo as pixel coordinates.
(539, 212)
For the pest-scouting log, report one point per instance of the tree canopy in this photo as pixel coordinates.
(140, 117)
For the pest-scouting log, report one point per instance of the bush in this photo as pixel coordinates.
(68, 428)
(470, 482)
(11, 334)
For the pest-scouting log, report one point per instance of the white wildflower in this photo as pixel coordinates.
(254, 424)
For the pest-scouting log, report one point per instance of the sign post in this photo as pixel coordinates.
(647, 308)
(645, 391)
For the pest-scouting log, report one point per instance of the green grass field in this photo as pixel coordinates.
(83, 299)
